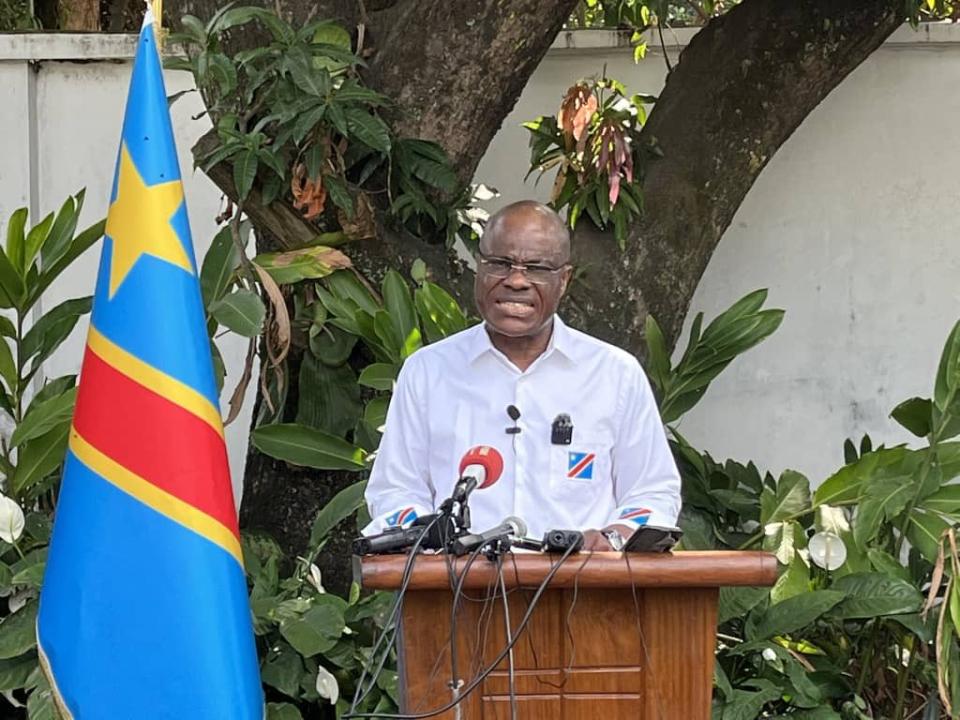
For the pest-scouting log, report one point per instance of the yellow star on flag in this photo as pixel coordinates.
(138, 222)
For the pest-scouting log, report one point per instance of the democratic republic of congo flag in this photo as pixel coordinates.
(144, 612)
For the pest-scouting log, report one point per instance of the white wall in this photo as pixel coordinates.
(852, 225)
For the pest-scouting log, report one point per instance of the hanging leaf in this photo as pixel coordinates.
(301, 445)
(242, 311)
(306, 263)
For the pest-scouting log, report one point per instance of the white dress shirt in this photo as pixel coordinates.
(454, 394)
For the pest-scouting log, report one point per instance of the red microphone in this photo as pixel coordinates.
(482, 463)
(480, 467)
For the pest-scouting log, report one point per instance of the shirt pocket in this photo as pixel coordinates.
(584, 464)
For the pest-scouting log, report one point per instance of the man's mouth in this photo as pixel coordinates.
(516, 308)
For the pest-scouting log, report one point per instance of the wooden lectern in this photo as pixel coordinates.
(613, 637)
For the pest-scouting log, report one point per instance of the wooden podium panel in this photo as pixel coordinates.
(608, 639)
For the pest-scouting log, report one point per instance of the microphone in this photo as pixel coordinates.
(480, 467)
(514, 414)
(392, 541)
(512, 526)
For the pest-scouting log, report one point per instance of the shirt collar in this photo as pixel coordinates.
(561, 340)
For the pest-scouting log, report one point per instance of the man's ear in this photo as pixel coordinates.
(565, 280)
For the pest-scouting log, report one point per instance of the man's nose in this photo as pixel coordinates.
(517, 279)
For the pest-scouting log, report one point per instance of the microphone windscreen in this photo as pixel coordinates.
(487, 457)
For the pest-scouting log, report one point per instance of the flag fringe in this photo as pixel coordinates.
(58, 702)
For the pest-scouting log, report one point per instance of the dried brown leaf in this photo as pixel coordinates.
(279, 317)
(363, 225)
(309, 196)
(240, 391)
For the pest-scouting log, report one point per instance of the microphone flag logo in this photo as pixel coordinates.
(144, 610)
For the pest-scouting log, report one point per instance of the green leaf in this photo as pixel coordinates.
(43, 415)
(329, 398)
(658, 359)
(40, 704)
(946, 500)
(300, 445)
(439, 313)
(80, 244)
(219, 265)
(885, 563)
(313, 262)
(32, 575)
(948, 373)
(367, 128)
(18, 632)
(11, 284)
(283, 711)
(738, 601)
(795, 613)
(403, 314)
(883, 500)
(51, 330)
(339, 193)
(242, 312)
(924, 531)
(35, 240)
(283, 669)
(379, 376)
(16, 239)
(780, 538)
(795, 580)
(15, 671)
(915, 415)
(316, 631)
(331, 345)
(55, 387)
(343, 505)
(8, 367)
(40, 457)
(874, 594)
(244, 172)
(846, 485)
(791, 497)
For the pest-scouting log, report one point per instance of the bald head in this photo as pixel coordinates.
(528, 217)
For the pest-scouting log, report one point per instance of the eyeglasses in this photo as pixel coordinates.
(502, 268)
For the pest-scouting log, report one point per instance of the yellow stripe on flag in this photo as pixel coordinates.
(159, 382)
(149, 494)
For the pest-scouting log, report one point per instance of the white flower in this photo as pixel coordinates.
(827, 550)
(327, 686)
(11, 520)
(316, 579)
(769, 655)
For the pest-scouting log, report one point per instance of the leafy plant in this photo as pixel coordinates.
(840, 635)
(297, 123)
(594, 142)
(313, 645)
(31, 455)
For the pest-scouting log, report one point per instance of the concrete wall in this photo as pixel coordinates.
(851, 226)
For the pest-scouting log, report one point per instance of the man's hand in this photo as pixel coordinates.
(594, 539)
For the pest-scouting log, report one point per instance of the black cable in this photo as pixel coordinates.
(480, 678)
(454, 607)
(359, 696)
(506, 622)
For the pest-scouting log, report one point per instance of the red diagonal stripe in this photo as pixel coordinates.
(578, 468)
(158, 440)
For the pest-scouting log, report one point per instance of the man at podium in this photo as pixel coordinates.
(573, 417)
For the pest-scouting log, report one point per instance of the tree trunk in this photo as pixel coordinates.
(741, 87)
(80, 15)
